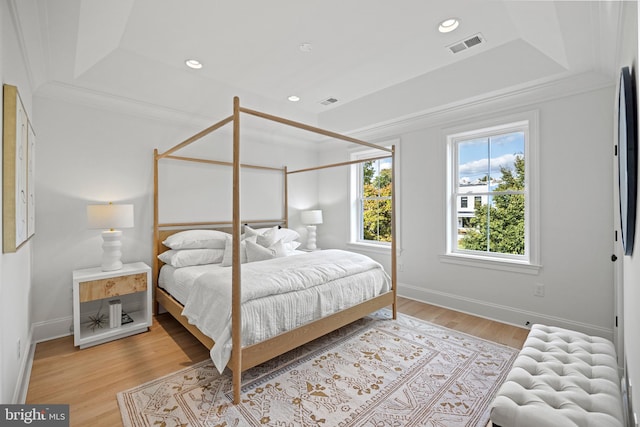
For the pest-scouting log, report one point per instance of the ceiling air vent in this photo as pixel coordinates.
(466, 44)
(329, 101)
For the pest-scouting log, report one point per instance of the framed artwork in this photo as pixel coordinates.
(627, 159)
(18, 183)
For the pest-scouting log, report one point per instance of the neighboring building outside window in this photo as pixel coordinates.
(477, 202)
(494, 165)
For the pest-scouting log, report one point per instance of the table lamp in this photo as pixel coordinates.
(109, 217)
(311, 219)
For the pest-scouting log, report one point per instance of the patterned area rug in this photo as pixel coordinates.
(374, 372)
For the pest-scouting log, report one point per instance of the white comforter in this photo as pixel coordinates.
(275, 291)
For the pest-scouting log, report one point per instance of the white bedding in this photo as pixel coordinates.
(323, 282)
(178, 281)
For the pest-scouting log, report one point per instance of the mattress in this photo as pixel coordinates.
(299, 289)
(178, 281)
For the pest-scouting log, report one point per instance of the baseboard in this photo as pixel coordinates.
(22, 383)
(499, 313)
(52, 329)
(40, 331)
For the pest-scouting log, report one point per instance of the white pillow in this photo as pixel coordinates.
(285, 234)
(227, 259)
(197, 239)
(290, 247)
(256, 252)
(267, 238)
(189, 257)
(248, 231)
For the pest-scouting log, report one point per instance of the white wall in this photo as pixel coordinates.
(576, 242)
(15, 268)
(631, 264)
(88, 155)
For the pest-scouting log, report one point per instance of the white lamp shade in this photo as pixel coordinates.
(110, 216)
(311, 217)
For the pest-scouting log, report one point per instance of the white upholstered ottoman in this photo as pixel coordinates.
(561, 378)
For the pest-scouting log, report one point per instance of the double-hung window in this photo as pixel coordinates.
(371, 186)
(494, 166)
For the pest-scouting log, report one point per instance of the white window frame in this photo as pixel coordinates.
(530, 261)
(355, 184)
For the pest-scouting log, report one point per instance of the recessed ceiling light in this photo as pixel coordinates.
(448, 25)
(193, 63)
(294, 98)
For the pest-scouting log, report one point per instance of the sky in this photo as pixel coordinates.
(473, 155)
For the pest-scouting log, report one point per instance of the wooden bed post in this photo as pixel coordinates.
(394, 276)
(236, 299)
(156, 305)
(286, 198)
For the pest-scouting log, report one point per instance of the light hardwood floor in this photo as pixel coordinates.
(89, 379)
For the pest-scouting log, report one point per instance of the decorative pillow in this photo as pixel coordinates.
(256, 252)
(285, 234)
(197, 239)
(227, 259)
(267, 238)
(188, 257)
(248, 231)
(290, 247)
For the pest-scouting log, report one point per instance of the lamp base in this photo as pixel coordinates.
(111, 250)
(311, 238)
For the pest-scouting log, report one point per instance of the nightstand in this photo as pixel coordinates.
(94, 290)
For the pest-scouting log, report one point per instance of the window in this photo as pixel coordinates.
(371, 199)
(494, 166)
(374, 201)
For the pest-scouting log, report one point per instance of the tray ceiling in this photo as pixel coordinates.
(135, 49)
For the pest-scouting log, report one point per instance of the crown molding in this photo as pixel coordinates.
(504, 100)
(30, 40)
(507, 99)
(75, 95)
(105, 101)
(15, 18)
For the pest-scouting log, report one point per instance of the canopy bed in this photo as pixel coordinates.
(338, 286)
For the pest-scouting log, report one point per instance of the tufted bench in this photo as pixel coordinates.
(561, 378)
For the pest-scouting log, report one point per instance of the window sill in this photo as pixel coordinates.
(370, 247)
(493, 264)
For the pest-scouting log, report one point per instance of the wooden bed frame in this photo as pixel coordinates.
(243, 358)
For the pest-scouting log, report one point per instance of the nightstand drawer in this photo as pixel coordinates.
(114, 286)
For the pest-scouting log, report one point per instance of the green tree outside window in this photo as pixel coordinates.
(498, 226)
(376, 202)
